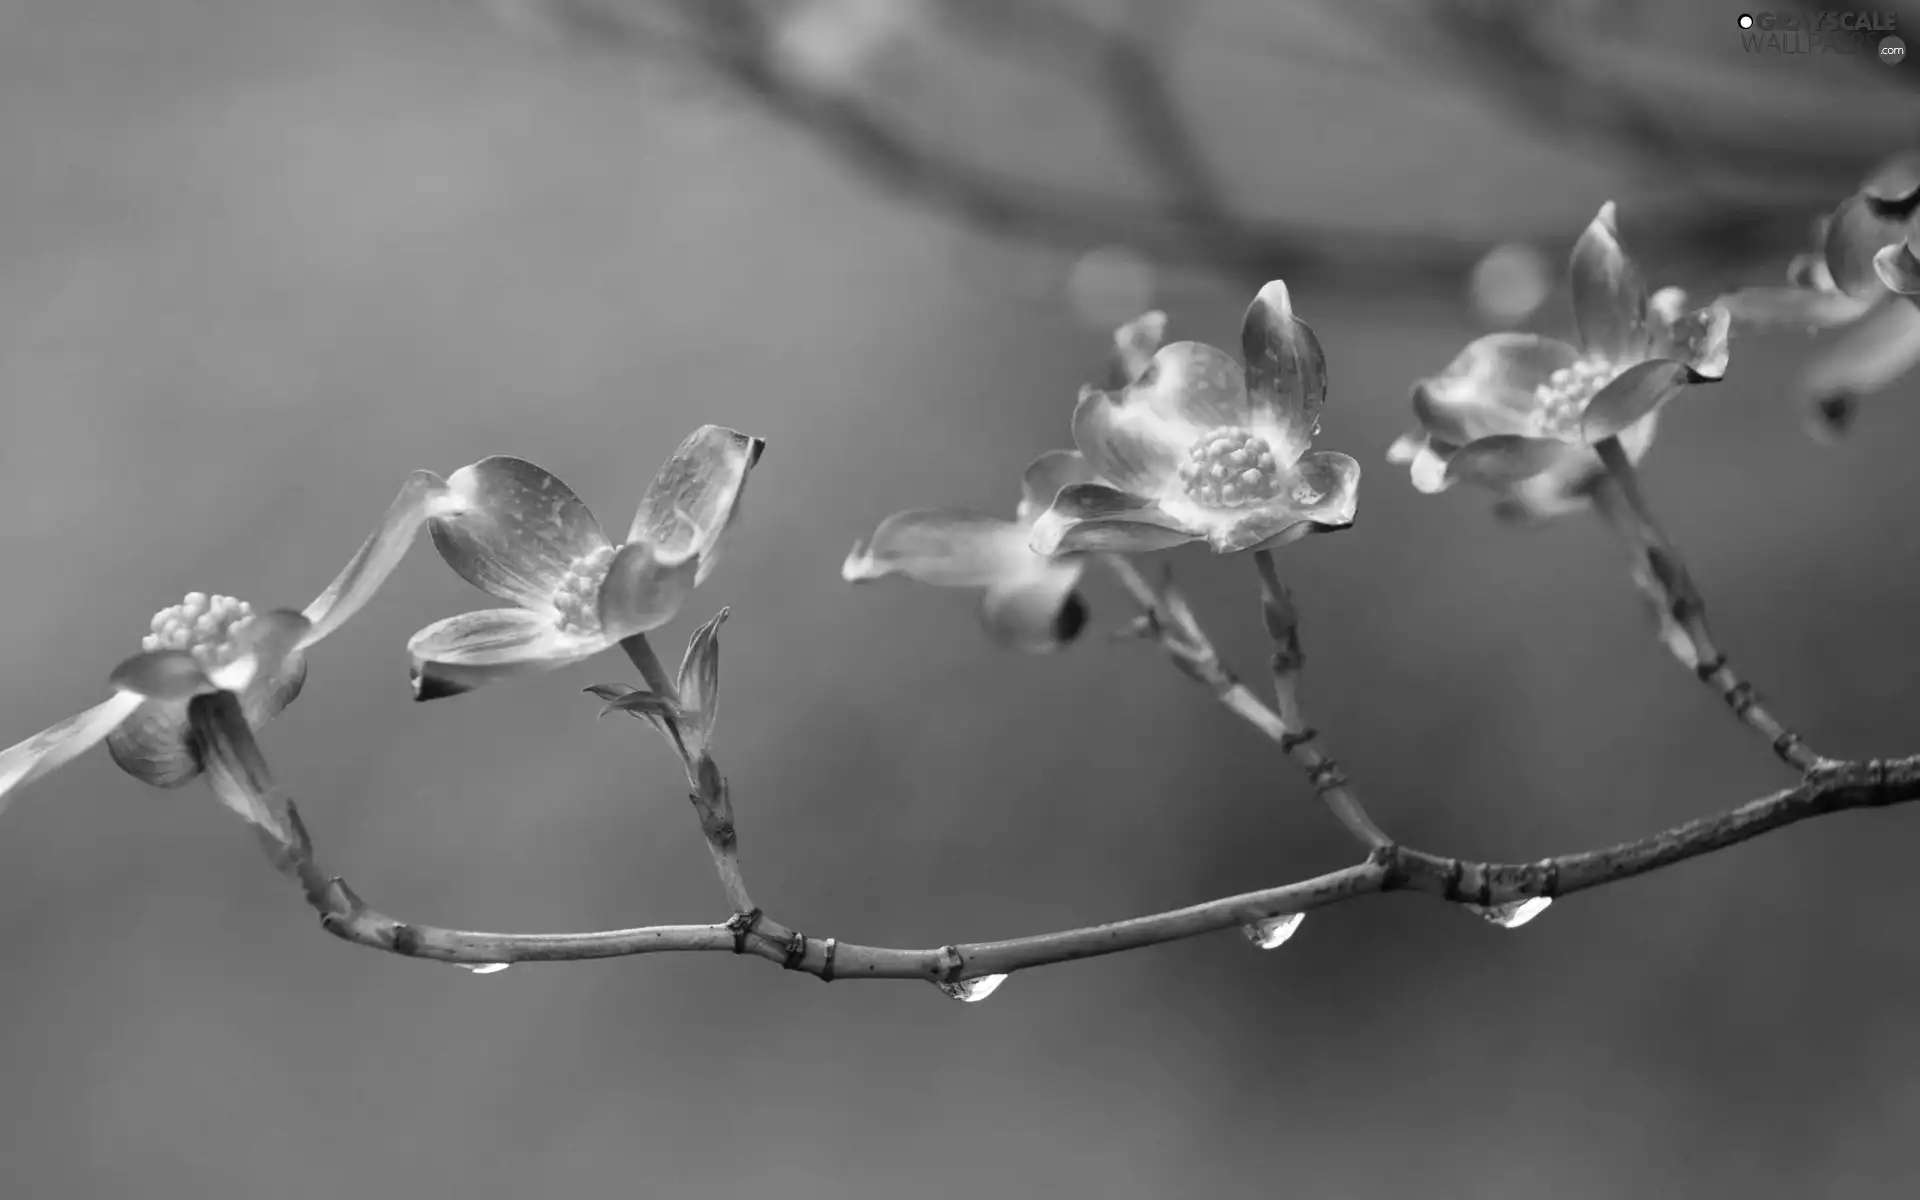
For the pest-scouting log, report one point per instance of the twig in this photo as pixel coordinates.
(1169, 621)
(1662, 576)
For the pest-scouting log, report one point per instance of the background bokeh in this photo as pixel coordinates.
(260, 258)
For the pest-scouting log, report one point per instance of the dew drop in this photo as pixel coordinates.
(1513, 916)
(973, 991)
(484, 968)
(1272, 933)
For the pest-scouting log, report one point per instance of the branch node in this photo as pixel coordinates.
(404, 939)
(1450, 885)
(741, 924)
(1390, 859)
(952, 963)
(796, 951)
(1289, 742)
(1741, 698)
(1326, 776)
(1549, 869)
(826, 971)
(1707, 670)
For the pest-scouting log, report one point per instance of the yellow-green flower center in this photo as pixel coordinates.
(577, 598)
(1564, 397)
(203, 626)
(1230, 468)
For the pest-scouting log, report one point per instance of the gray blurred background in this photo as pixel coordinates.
(260, 258)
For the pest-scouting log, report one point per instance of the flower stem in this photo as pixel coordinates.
(1662, 576)
(1302, 741)
(711, 797)
(1169, 621)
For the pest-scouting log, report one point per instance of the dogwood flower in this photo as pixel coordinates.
(1199, 447)
(523, 536)
(147, 735)
(1865, 277)
(1518, 412)
(1029, 600)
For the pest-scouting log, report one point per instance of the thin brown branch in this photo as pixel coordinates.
(1662, 576)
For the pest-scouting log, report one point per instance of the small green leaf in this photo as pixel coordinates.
(699, 682)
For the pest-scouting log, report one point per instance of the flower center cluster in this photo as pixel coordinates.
(577, 598)
(1563, 398)
(203, 626)
(1230, 468)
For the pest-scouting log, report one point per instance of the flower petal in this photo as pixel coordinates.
(1194, 384)
(696, 496)
(1867, 357)
(1286, 372)
(153, 744)
(1045, 476)
(1127, 443)
(1795, 307)
(644, 589)
(1092, 517)
(1505, 459)
(1566, 486)
(516, 530)
(1425, 460)
(1855, 233)
(1134, 345)
(944, 547)
(1039, 612)
(1897, 269)
(1895, 184)
(1325, 496)
(1609, 298)
(1491, 387)
(423, 495)
(57, 745)
(1698, 338)
(1633, 394)
(462, 653)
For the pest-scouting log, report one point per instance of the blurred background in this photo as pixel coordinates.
(260, 258)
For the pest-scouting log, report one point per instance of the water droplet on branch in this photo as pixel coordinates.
(484, 968)
(1272, 933)
(1513, 916)
(972, 991)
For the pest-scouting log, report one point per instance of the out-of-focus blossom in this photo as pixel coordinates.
(1864, 275)
(523, 536)
(1108, 284)
(1510, 283)
(1519, 412)
(1201, 448)
(235, 650)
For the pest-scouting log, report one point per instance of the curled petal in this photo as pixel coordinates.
(1092, 517)
(944, 547)
(1855, 233)
(1134, 345)
(162, 675)
(516, 530)
(1505, 459)
(153, 744)
(1286, 370)
(237, 771)
(1894, 185)
(696, 496)
(1867, 357)
(643, 590)
(1193, 384)
(1897, 269)
(423, 495)
(1699, 339)
(1039, 612)
(462, 653)
(1126, 443)
(1609, 298)
(1491, 387)
(1634, 393)
(1045, 476)
(57, 745)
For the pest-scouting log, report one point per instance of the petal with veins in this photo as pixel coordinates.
(516, 530)
(1504, 460)
(1126, 443)
(696, 496)
(462, 653)
(1609, 298)
(1631, 396)
(642, 590)
(57, 745)
(423, 495)
(1286, 371)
